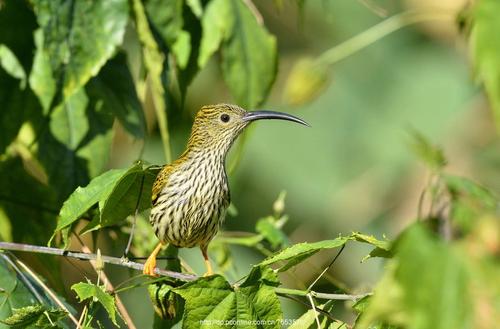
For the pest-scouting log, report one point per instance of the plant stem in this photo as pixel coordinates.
(375, 33)
(88, 256)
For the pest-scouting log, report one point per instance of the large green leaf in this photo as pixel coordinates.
(301, 251)
(115, 87)
(426, 286)
(80, 36)
(117, 192)
(249, 57)
(485, 46)
(132, 189)
(211, 302)
(216, 25)
(83, 198)
(88, 290)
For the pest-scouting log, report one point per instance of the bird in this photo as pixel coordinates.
(190, 196)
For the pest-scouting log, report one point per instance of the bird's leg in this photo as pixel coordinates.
(149, 266)
(204, 251)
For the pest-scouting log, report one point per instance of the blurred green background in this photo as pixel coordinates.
(353, 169)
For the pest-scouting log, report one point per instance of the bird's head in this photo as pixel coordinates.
(219, 125)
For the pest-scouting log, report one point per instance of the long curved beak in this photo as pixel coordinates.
(260, 115)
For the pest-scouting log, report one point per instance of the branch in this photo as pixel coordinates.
(88, 256)
(320, 295)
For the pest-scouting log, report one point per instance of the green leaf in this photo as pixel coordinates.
(382, 248)
(430, 154)
(25, 316)
(211, 301)
(267, 227)
(116, 191)
(301, 251)
(216, 24)
(196, 7)
(121, 202)
(11, 65)
(80, 36)
(41, 77)
(249, 57)
(68, 122)
(154, 61)
(114, 85)
(485, 46)
(34, 316)
(469, 201)
(83, 198)
(425, 286)
(89, 290)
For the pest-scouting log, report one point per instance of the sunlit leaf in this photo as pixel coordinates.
(299, 252)
(11, 65)
(41, 77)
(382, 247)
(88, 290)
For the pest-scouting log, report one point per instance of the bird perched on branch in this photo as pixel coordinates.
(191, 195)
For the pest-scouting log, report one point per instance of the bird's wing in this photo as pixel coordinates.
(160, 181)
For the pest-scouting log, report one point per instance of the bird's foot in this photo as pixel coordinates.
(149, 266)
(208, 273)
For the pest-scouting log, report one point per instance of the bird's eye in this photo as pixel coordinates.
(224, 117)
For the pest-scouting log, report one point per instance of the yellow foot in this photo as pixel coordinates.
(208, 273)
(149, 267)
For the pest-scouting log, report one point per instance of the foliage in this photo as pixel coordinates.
(68, 73)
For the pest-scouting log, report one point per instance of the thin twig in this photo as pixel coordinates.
(327, 268)
(134, 221)
(88, 256)
(320, 295)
